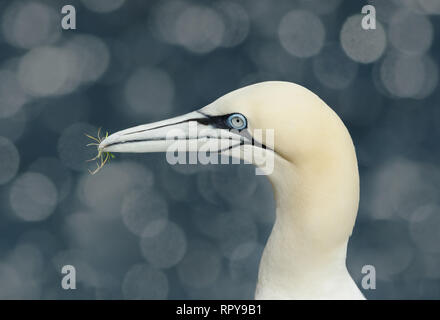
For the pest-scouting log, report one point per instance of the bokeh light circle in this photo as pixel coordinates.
(9, 160)
(236, 22)
(33, 197)
(140, 207)
(364, 46)
(144, 282)
(293, 37)
(90, 58)
(431, 78)
(411, 33)
(12, 95)
(164, 18)
(403, 76)
(163, 244)
(104, 192)
(45, 71)
(54, 169)
(30, 24)
(199, 29)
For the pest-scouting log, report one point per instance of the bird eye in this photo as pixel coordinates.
(237, 121)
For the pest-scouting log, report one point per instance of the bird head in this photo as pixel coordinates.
(288, 132)
(262, 124)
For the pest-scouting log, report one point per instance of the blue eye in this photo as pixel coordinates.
(237, 121)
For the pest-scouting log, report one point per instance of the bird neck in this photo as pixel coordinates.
(316, 210)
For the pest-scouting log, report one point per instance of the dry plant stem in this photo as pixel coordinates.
(102, 157)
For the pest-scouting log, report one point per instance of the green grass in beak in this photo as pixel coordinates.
(103, 157)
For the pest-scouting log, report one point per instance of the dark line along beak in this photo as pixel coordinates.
(194, 131)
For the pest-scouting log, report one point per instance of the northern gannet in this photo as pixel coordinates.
(315, 180)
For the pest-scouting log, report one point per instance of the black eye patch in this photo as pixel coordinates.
(220, 122)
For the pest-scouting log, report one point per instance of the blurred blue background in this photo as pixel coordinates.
(141, 228)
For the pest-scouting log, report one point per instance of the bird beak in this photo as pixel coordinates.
(192, 132)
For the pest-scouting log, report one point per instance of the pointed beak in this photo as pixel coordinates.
(190, 132)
